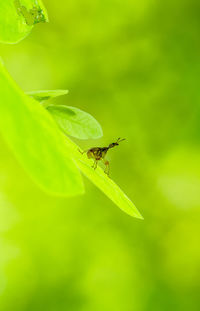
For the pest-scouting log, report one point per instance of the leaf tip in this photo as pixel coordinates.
(135, 213)
(140, 217)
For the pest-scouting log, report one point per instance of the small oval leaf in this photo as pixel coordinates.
(75, 122)
(46, 95)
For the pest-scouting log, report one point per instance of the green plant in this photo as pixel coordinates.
(36, 131)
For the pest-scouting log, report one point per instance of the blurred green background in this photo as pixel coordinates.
(135, 66)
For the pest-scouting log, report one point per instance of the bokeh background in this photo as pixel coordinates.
(135, 66)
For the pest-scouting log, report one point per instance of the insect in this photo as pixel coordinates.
(99, 153)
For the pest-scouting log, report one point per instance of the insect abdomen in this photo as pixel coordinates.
(94, 153)
(90, 154)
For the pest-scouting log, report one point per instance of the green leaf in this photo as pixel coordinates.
(46, 95)
(36, 140)
(72, 121)
(102, 181)
(75, 122)
(17, 18)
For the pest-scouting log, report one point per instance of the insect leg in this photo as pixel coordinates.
(82, 152)
(107, 168)
(94, 166)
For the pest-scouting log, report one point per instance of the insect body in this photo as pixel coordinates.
(99, 153)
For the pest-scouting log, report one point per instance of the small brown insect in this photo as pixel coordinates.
(99, 153)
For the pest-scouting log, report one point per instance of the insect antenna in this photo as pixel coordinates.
(120, 139)
(116, 144)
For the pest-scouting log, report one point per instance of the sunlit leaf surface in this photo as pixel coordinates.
(36, 141)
